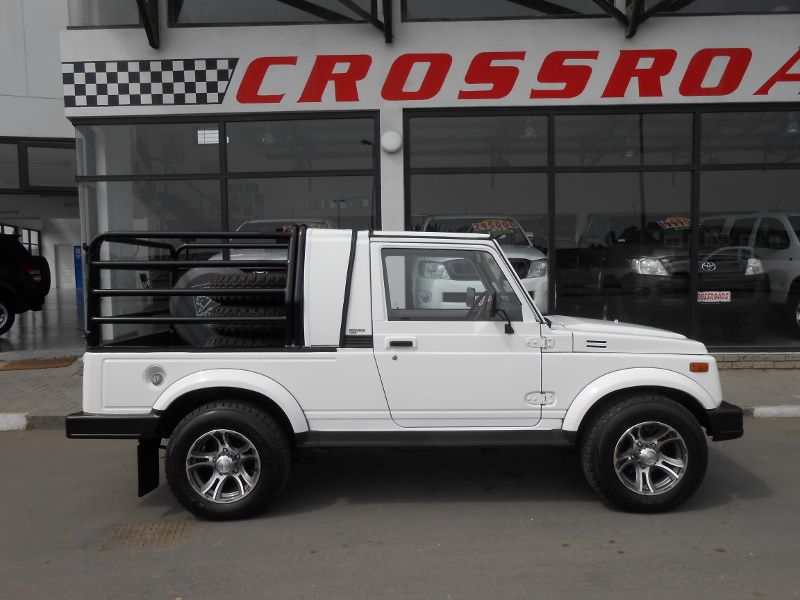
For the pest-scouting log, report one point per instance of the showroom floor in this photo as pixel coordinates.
(55, 331)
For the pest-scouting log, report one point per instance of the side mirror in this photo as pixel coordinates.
(470, 297)
(494, 311)
(492, 300)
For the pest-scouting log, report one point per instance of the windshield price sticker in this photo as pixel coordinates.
(495, 227)
(713, 297)
(675, 223)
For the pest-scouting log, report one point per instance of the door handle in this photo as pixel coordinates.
(402, 343)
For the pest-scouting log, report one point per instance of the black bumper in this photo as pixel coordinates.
(112, 427)
(725, 422)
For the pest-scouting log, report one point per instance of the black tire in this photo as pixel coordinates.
(257, 427)
(275, 280)
(249, 330)
(224, 341)
(607, 435)
(7, 317)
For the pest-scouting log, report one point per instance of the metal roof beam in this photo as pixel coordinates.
(543, 6)
(611, 10)
(634, 17)
(318, 11)
(148, 14)
(372, 17)
(388, 26)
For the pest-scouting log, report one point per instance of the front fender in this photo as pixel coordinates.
(241, 379)
(633, 378)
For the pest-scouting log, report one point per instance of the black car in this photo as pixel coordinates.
(24, 281)
(642, 271)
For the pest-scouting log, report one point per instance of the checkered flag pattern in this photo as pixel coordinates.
(147, 82)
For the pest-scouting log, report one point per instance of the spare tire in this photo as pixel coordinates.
(249, 330)
(226, 341)
(195, 306)
(274, 280)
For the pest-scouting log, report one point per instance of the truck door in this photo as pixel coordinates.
(443, 361)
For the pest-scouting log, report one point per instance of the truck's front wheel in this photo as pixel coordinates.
(645, 454)
(227, 460)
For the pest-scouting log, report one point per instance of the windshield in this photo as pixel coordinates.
(506, 231)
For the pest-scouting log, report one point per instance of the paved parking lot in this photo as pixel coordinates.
(394, 524)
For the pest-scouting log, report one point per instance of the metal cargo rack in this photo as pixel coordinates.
(177, 260)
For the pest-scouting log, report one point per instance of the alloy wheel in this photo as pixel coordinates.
(223, 466)
(650, 458)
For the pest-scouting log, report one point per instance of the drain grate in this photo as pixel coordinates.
(148, 535)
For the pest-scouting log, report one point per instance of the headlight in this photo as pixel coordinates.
(754, 267)
(648, 266)
(433, 270)
(538, 268)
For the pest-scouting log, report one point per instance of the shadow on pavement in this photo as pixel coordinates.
(468, 475)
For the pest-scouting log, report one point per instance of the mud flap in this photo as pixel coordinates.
(147, 455)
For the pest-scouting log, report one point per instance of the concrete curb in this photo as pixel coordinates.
(772, 412)
(13, 421)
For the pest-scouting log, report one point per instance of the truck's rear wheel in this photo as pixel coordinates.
(6, 317)
(227, 460)
(645, 454)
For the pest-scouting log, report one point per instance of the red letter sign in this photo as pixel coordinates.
(574, 78)
(254, 77)
(782, 75)
(345, 83)
(732, 76)
(482, 71)
(627, 69)
(438, 67)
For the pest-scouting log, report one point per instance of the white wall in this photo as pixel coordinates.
(31, 100)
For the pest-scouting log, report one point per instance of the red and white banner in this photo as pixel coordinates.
(462, 64)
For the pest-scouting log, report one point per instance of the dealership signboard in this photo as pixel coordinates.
(521, 63)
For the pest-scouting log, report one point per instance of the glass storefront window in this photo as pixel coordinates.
(51, 167)
(157, 149)
(628, 243)
(508, 141)
(623, 140)
(757, 213)
(328, 202)
(9, 167)
(152, 205)
(496, 9)
(627, 253)
(300, 145)
(518, 196)
(102, 13)
(750, 137)
(212, 12)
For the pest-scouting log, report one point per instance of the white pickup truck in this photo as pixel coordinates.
(330, 348)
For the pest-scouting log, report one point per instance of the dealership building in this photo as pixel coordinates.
(645, 153)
